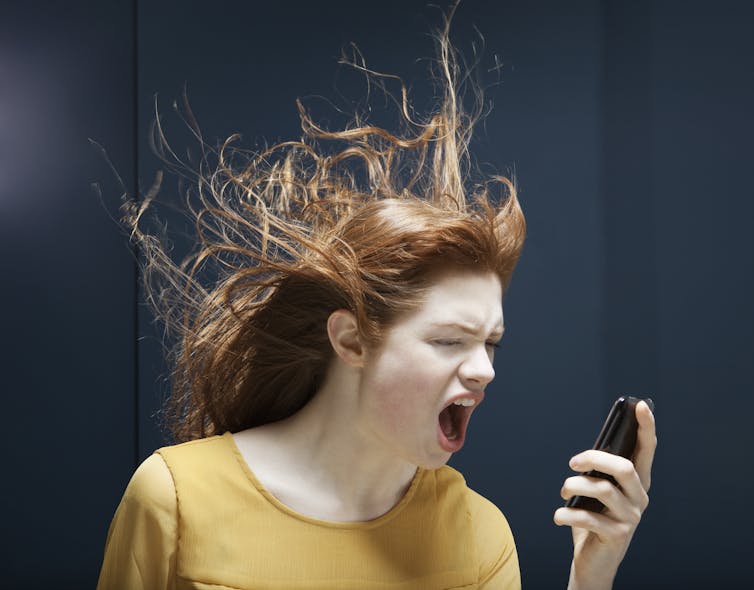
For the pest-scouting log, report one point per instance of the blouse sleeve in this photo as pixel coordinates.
(140, 550)
(498, 559)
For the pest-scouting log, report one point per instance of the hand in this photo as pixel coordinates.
(600, 540)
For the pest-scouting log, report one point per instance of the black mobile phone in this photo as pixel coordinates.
(618, 436)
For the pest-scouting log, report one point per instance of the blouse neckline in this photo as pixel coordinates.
(364, 524)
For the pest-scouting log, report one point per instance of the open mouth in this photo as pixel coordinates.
(454, 419)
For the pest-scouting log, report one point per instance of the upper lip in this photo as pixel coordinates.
(476, 396)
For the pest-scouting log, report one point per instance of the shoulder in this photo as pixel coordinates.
(194, 451)
(493, 538)
(483, 513)
(205, 470)
(154, 484)
(141, 543)
(449, 484)
(151, 487)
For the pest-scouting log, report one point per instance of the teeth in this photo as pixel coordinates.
(464, 401)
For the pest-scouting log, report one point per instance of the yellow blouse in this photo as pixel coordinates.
(194, 516)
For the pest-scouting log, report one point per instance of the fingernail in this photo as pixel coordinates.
(575, 463)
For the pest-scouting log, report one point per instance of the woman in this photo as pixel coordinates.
(337, 326)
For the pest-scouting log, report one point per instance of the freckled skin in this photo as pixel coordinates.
(424, 361)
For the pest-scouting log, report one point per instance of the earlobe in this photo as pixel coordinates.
(343, 331)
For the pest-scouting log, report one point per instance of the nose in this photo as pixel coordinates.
(477, 371)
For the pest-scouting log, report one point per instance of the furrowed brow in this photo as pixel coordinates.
(468, 327)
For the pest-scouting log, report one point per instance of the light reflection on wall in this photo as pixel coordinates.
(37, 123)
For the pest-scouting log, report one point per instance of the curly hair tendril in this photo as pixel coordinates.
(356, 219)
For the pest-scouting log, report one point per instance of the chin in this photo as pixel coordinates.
(436, 461)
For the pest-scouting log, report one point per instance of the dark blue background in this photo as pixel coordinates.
(629, 127)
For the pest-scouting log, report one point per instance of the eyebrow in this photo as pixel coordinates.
(467, 327)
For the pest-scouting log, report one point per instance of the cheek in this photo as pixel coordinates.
(407, 393)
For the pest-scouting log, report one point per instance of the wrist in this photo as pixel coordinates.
(589, 580)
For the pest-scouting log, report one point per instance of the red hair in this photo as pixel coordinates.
(291, 234)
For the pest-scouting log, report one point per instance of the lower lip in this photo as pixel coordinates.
(450, 446)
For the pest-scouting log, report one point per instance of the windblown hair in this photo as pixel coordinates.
(359, 219)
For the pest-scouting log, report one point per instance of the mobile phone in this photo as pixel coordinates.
(618, 436)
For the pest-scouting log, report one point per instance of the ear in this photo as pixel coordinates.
(343, 331)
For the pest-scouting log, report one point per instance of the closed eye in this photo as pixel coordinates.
(447, 342)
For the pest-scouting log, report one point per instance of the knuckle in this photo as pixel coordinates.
(606, 490)
(590, 455)
(624, 533)
(634, 517)
(625, 469)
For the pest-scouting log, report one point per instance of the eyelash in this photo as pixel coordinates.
(450, 342)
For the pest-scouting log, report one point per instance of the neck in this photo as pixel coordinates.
(323, 463)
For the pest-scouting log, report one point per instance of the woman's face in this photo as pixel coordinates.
(420, 386)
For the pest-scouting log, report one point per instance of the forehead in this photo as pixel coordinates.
(469, 298)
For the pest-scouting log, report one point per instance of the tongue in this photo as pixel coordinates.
(446, 422)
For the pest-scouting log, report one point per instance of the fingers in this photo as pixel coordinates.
(619, 505)
(620, 468)
(646, 443)
(602, 538)
(607, 529)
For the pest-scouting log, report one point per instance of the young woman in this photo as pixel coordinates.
(337, 328)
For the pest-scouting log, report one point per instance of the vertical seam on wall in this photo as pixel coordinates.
(603, 143)
(135, 155)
